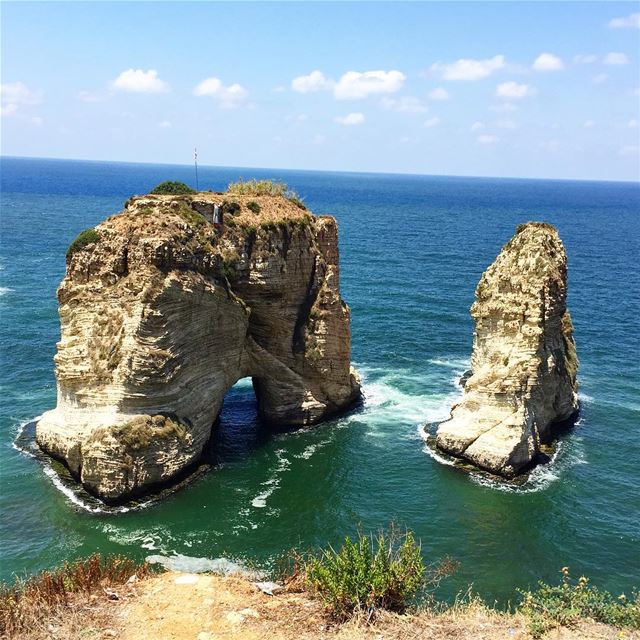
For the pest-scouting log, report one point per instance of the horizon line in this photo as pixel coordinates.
(352, 172)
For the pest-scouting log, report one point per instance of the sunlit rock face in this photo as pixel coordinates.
(164, 312)
(524, 359)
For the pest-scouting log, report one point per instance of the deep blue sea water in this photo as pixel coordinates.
(412, 251)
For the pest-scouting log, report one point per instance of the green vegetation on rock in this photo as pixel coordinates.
(172, 188)
(255, 187)
(568, 602)
(230, 208)
(139, 432)
(84, 238)
(252, 205)
(378, 572)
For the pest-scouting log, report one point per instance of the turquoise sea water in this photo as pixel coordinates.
(412, 251)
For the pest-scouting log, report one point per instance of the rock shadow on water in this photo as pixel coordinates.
(238, 433)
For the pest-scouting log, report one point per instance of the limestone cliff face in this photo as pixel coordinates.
(524, 359)
(165, 312)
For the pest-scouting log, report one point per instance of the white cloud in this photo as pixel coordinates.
(616, 58)
(8, 109)
(439, 93)
(585, 58)
(139, 81)
(279, 89)
(431, 122)
(514, 90)
(468, 69)
(228, 97)
(16, 94)
(632, 21)
(350, 119)
(506, 124)
(505, 107)
(600, 78)
(636, 91)
(477, 126)
(19, 93)
(355, 85)
(319, 139)
(589, 124)
(548, 62)
(165, 124)
(37, 121)
(630, 150)
(633, 124)
(486, 138)
(406, 104)
(315, 81)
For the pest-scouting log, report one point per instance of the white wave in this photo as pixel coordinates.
(5, 290)
(583, 397)
(309, 451)
(461, 364)
(383, 400)
(542, 476)
(272, 483)
(72, 495)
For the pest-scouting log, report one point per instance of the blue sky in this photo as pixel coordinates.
(490, 89)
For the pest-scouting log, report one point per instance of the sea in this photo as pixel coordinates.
(412, 249)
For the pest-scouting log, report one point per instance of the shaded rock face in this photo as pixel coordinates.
(164, 313)
(524, 359)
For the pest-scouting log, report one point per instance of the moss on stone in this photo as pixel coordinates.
(139, 432)
(84, 238)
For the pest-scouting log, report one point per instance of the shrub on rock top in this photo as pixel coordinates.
(172, 188)
(84, 238)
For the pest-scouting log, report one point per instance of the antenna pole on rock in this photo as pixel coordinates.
(195, 159)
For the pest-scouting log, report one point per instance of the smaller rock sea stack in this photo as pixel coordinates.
(524, 360)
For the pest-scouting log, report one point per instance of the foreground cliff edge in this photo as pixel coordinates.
(524, 360)
(162, 312)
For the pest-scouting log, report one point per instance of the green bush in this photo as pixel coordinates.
(84, 238)
(378, 572)
(172, 188)
(568, 602)
(293, 197)
(252, 205)
(231, 208)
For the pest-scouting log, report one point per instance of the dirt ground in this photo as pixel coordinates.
(173, 606)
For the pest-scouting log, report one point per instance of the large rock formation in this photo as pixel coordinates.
(162, 312)
(524, 358)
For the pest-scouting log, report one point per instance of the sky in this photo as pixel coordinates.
(505, 89)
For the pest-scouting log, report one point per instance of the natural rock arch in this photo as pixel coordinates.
(164, 313)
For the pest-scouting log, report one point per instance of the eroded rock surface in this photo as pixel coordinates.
(164, 313)
(524, 359)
